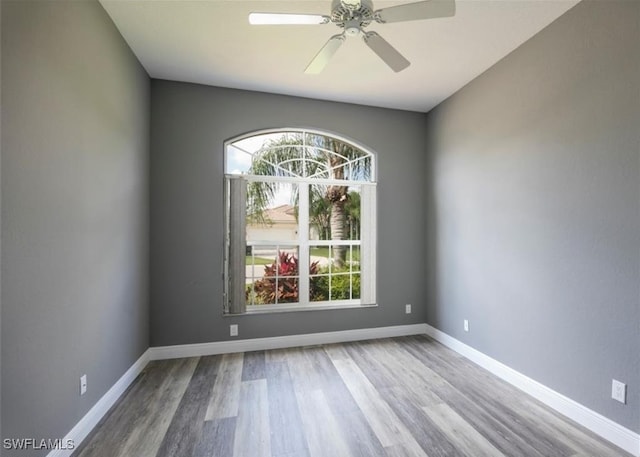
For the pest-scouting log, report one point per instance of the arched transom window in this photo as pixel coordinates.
(300, 222)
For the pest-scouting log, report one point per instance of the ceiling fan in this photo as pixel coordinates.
(353, 16)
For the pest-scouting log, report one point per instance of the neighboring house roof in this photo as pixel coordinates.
(283, 214)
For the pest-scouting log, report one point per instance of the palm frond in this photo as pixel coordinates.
(305, 154)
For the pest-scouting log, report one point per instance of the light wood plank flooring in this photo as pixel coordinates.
(390, 398)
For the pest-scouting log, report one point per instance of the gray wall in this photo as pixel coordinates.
(189, 124)
(75, 138)
(534, 222)
(0, 226)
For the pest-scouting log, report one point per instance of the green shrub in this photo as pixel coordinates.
(340, 285)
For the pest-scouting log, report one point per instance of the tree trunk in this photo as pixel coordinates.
(337, 196)
(337, 232)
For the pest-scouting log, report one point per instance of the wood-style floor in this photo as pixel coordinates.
(394, 397)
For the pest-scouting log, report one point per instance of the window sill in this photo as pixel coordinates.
(294, 308)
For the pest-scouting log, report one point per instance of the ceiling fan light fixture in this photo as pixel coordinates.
(353, 4)
(286, 19)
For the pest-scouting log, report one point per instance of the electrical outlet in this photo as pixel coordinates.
(83, 384)
(233, 330)
(407, 308)
(466, 325)
(619, 391)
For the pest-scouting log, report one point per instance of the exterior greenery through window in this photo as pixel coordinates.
(300, 222)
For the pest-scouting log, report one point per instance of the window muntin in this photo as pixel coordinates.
(303, 225)
(299, 155)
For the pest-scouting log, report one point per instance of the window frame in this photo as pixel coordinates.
(303, 243)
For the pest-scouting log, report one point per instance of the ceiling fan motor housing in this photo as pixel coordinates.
(351, 18)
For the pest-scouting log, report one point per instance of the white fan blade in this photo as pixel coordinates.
(386, 52)
(324, 55)
(287, 19)
(428, 9)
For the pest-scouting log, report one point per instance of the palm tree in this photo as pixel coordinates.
(352, 210)
(309, 155)
(320, 216)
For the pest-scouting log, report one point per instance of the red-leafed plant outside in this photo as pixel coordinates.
(284, 285)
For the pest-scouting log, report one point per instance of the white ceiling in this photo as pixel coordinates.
(211, 42)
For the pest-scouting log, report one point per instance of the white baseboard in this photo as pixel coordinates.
(597, 423)
(95, 414)
(279, 342)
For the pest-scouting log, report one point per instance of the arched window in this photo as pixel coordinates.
(300, 222)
